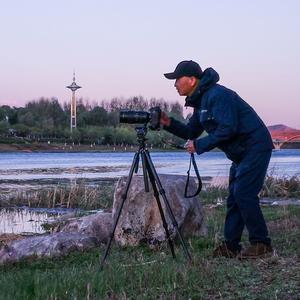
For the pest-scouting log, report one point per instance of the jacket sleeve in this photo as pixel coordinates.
(191, 130)
(225, 116)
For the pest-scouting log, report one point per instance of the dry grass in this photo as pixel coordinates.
(65, 196)
(281, 187)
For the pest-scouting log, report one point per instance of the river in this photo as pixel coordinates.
(35, 171)
(35, 166)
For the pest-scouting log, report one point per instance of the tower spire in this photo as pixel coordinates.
(73, 87)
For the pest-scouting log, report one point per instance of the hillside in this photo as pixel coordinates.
(283, 132)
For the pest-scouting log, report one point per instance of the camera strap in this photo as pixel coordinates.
(192, 161)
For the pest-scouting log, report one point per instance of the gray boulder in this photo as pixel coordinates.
(140, 220)
(98, 225)
(78, 234)
(52, 245)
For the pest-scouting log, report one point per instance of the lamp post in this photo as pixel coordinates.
(73, 87)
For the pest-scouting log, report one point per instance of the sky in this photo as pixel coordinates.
(122, 48)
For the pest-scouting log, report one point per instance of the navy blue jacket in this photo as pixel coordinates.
(231, 123)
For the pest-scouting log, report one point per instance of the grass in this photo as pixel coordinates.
(140, 273)
(66, 196)
(100, 196)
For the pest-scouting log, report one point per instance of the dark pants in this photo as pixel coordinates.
(245, 182)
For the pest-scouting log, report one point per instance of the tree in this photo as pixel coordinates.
(4, 128)
(21, 130)
(109, 135)
(115, 105)
(97, 116)
(46, 114)
(3, 114)
(27, 119)
(161, 103)
(8, 114)
(136, 103)
(125, 135)
(75, 135)
(113, 118)
(176, 110)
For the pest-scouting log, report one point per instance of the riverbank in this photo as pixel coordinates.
(49, 147)
(52, 147)
(141, 273)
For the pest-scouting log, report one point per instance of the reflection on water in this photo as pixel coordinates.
(24, 220)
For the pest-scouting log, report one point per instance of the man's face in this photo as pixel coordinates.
(184, 85)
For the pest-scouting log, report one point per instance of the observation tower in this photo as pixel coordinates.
(73, 87)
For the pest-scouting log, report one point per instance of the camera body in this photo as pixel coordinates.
(142, 117)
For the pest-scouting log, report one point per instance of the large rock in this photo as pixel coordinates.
(77, 234)
(57, 244)
(140, 220)
(98, 225)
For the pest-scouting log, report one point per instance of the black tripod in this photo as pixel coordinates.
(148, 170)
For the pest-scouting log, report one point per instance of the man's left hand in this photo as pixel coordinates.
(189, 145)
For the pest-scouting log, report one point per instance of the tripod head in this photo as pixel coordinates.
(141, 132)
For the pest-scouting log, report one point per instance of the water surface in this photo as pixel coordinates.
(25, 220)
(17, 165)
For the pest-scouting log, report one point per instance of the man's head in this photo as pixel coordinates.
(187, 75)
(187, 68)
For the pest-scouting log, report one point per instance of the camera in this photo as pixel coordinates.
(142, 117)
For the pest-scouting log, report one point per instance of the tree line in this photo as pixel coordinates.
(47, 120)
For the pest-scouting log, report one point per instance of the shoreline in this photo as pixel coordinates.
(59, 148)
(45, 147)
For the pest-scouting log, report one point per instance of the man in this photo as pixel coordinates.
(235, 128)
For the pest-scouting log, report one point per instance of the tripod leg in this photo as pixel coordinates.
(153, 173)
(124, 196)
(145, 172)
(165, 224)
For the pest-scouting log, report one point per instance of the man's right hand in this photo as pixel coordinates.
(164, 119)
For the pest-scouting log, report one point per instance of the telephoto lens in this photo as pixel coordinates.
(134, 117)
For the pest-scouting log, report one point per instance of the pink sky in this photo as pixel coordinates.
(122, 49)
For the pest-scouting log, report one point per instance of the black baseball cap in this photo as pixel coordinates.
(185, 68)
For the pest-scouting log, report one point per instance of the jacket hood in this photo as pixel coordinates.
(209, 78)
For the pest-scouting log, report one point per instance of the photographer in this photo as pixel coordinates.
(235, 128)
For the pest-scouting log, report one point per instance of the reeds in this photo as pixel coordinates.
(64, 196)
(274, 187)
(281, 187)
(100, 196)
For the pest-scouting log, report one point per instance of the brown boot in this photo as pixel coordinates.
(257, 250)
(223, 250)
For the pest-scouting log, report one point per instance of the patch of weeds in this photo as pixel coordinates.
(281, 187)
(66, 196)
(213, 195)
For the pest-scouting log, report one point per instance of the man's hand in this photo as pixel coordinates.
(164, 119)
(189, 145)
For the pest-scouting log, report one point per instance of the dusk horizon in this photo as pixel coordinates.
(122, 50)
